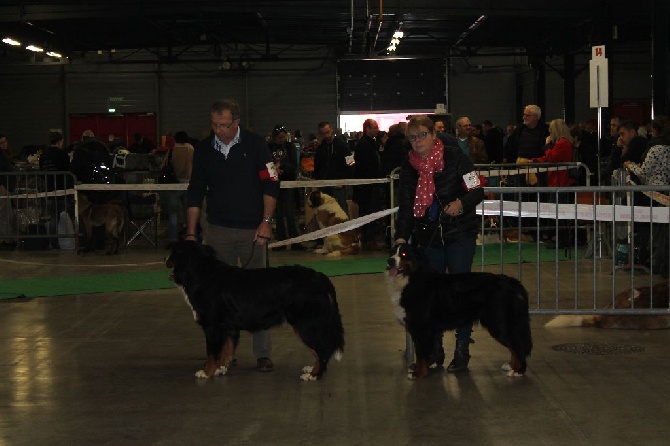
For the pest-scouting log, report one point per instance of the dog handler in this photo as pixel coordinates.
(439, 191)
(234, 170)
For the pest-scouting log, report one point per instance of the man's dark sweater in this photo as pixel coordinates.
(329, 161)
(232, 184)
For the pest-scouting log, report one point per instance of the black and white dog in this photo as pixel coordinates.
(226, 299)
(428, 303)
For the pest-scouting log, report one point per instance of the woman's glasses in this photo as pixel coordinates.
(420, 135)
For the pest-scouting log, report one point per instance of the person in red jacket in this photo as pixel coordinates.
(558, 150)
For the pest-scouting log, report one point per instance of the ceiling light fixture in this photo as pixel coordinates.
(226, 65)
(53, 54)
(10, 41)
(476, 24)
(395, 41)
(34, 48)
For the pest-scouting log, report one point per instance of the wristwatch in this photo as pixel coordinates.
(269, 219)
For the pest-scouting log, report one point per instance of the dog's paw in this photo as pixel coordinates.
(308, 377)
(222, 370)
(506, 367)
(201, 374)
(334, 254)
(307, 369)
(513, 374)
(411, 376)
(321, 251)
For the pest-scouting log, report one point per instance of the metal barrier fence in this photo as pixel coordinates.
(37, 209)
(590, 225)
(579, 272)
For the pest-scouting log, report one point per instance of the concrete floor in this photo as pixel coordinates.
(118, 368)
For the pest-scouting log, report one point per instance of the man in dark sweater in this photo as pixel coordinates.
(234, 170)
(529, 138)
(367, 195)
(330, 163)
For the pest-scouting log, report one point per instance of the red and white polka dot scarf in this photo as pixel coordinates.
(425, 187)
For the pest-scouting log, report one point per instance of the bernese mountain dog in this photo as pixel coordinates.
(227, 299)
(428, 303)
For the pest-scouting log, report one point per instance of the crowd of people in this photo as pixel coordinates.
(375, 153)
(238, 173)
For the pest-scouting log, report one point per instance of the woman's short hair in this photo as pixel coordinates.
(421, 120)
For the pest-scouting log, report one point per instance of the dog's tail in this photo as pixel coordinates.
(333, 329)
(572, 320)
(521, 324)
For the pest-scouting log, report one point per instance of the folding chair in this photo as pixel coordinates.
(143, 210)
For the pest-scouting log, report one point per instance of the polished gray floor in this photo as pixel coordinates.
(118, 368)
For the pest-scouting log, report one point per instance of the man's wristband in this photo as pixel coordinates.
(269, 219)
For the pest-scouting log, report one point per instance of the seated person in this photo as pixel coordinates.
(141, 145)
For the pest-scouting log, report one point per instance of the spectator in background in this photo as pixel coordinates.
(509, 130)
(655, 170)
(440, 127)
(141, 144)
(558, 150)
(395, 149)
(447, 138)
(6, 186)
(471, 146)
(608, 145)
(182, 162)
(307, 155)
(493, 141)
(54, 158)
(367, 196)
(629, 147)
(382, 137)
(587, 153)
(7, 154)
(528, 140)
(285, 157)
(331, 163)
(477, 131)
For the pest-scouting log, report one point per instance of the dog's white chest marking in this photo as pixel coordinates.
(183, 291)
(395, 286)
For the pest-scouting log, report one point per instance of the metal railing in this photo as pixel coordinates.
(32, 204)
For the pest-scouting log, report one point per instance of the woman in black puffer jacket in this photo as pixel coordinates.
(438, 195)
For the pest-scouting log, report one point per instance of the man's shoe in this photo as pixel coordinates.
(264, 364)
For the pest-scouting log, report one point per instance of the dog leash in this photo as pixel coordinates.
(251, 256)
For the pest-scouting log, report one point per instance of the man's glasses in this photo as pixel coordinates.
(420, 135)
(222, 126)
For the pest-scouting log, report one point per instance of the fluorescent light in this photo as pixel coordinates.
(398, 34)
(35, 49)
(10, 41)
(56, 55)
(111, 110)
